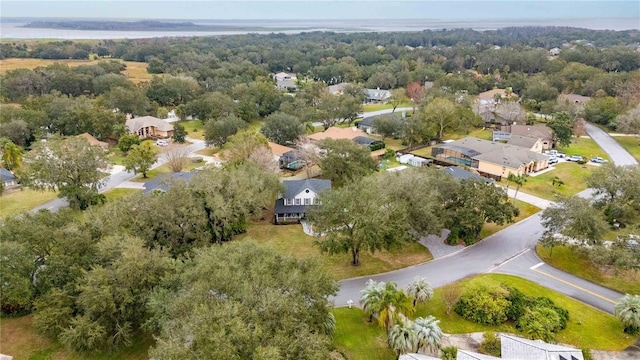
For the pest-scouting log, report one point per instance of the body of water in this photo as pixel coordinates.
(12, 29)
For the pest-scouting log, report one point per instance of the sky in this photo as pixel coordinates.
(321, 9)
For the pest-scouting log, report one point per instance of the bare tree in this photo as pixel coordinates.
(307, 152)
(177, 158)
(579, 128)
(511, 111)
(415, 93)
(450, 295)
(630, 121)
(263, 157)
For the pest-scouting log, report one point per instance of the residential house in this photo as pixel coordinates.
(531, 143)
(377, 95)
(517, 348)
(8, 179)
(291, 160)
(278, 150)
(292, 205)
(540, 131)
(462, 174)
(337, 89)
(149, 127)
(285, 81)
(366, 124)
(337, 133)
(491, 159)
(573, 98)
(494, 96)
(372, 144)
(93, 141)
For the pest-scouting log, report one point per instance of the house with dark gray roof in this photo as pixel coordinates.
(531, 143)
(367, 124)
(8, 179)
(462, 174)
(298, 195)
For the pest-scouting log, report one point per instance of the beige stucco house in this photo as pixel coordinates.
(149, 127)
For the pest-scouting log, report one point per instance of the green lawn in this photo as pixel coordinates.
(23, 200)
(20, 340)
(563, 258)
(291, 239)
(116, 157)
(573, 175)
(377, 107)
(194, 128)
(587, 326)
(357, 338)
(631, 144)
(208, 151)
(585, 147)
(164, 169)
(118, 193)
(526, 210)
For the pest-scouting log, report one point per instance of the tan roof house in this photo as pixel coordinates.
(93, 141)
(149, 127)
(278, 150)
(531, 143)
(492, 94)
(338, 133)
(491, 159)
(337, 89)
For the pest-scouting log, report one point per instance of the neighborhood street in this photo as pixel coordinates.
(509, 251)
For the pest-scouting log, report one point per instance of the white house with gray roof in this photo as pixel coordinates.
(517, 348)
(298, 195)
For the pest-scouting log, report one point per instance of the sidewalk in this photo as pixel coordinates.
(530, 199)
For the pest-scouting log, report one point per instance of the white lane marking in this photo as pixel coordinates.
(537, 265)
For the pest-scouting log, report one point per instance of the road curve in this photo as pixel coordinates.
(616, 153)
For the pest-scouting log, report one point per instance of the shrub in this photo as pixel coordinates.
(545, 302)
(484, 305)
(586, 354)
(490, 344)
(449, 353)
(539, 323)
(519, 303)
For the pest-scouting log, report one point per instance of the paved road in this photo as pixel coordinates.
(116, 179)
(616, 153)
(374, 113)
(510, 251)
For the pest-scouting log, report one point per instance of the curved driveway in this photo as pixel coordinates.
(509, 251)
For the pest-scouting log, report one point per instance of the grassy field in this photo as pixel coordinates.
(587, 326)
(20, 340)
(136, 71)
(563, 258)
(631, 144)
(118, 193)
(194, 128)
(23, 200)
(291, 239)
(585, 147)
(573, 175)
(357, 338)
(116, 157)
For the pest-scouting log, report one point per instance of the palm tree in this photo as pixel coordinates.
(428, 333)
(519, 180)
(628, 311)
(392, 302)
(402, 336)
(11, 155)
(329, 325)
(420, 290)
(370, 298)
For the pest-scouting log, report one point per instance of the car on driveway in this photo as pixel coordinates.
(599, 160)
(555, 153)
(553, 160)
(575, 158)
(162, 142)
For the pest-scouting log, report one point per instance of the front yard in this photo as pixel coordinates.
(585, 147)
(23, 200)
(572, 174)
(164, 169)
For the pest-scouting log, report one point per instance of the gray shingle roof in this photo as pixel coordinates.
(524, 141)
(514, 347)
(294, 187)
(378, 94)
(470, 355)
(494, 152)
(6, 175)
(462, 174)
(363, 140)
(281, 208)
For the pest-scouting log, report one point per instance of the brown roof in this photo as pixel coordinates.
(338, 133)
(92, 140)
(488, 95)
(536, 131)
(278, 149)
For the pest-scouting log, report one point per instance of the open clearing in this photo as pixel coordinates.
(136, 71)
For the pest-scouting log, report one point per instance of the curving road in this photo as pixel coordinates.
(509, 251)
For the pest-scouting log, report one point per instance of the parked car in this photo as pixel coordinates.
(162, 142)
(575, 158)
(555, 153)
(553, 160)
(599, 160)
